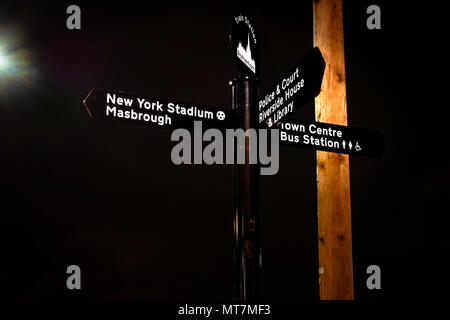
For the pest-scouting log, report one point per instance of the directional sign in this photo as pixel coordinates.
(330, 137)
(245, 46)
(301, 83)
(141, 109)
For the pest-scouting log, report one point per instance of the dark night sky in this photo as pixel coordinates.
(106, 196)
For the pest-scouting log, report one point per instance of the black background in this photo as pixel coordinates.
(106, 196)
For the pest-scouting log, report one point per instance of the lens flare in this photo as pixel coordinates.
(15, 67)
(4, 61)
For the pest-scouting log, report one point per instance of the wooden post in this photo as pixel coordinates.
(333, 176)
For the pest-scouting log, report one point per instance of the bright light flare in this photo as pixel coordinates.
(5, 62)
(16, 71)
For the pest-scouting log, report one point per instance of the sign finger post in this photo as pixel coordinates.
(328, 135)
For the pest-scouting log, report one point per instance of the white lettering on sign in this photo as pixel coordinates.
(286, 82)
(281, 113)
(326, 132)
(278, 103)
(155, 106)
(155, 111)
(138, 116)
(191, 111)
(119, 101)
(316, 134)
(247, 22)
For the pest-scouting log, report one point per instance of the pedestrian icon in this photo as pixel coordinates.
(329, 137)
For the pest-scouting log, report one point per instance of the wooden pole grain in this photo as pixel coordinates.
(333, 176)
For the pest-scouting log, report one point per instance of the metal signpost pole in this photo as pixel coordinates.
(247, 248)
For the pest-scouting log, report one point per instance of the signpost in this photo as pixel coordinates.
(300, 84)
(155, 112)
(244, 44)
(330, 137)
(247, 248)
(272, 110)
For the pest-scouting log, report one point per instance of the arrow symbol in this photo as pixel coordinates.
(152, 111)
(89, 102)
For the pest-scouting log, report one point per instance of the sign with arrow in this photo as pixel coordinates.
(141, 109)
(301, 83)
(330, 137)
